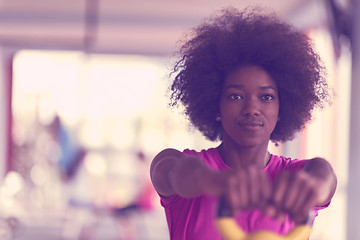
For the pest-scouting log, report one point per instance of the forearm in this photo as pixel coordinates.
(174, 173)
(190, 178)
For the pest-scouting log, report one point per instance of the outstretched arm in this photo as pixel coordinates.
(174, 173)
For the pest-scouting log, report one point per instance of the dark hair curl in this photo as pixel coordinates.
(251, 37)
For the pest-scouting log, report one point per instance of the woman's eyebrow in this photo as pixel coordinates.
(268, 87)
(236, 86)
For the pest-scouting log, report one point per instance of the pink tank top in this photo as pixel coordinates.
(194, 219)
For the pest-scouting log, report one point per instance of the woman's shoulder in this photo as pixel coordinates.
(285, 161)
(202, 152)
(279, 163)
(210, 156)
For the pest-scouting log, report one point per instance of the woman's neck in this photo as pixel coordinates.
(239, 157)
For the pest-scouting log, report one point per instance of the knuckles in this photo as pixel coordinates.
(292, 193)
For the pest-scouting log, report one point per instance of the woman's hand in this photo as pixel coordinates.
(294, 194)
(297, 193)
(247, 188)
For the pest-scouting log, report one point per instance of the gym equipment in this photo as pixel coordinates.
(230, 230)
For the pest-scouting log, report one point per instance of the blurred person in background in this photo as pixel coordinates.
(71, 152)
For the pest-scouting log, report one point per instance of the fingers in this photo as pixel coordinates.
(265, 189)
(237, 194)
(302, 208)
(254, 191)
(247, 189)
(293, 194)
(276, 208)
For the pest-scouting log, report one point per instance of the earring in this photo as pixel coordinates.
(218, 119)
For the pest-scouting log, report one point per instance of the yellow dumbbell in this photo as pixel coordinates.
(230, 230)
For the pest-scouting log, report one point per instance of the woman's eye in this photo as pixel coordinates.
(236, 97)
(267, 97)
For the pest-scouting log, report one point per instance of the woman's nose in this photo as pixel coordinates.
(251, 108)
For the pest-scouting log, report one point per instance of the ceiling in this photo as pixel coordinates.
(121, 26)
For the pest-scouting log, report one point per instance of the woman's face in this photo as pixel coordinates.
(249, 106)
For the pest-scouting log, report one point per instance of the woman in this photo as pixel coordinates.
(244, 78)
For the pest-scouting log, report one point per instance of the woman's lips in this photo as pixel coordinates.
(251, 125)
